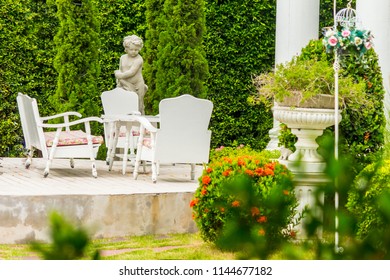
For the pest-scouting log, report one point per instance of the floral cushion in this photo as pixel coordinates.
(134, 132)
(68, 138)
(147, 142)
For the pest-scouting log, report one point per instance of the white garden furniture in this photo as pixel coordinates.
(183, 135)
(61, 143)
(119, 132)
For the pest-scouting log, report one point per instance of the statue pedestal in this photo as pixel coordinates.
(305, 163)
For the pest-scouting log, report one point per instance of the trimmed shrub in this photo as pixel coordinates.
(268, 207)
(234, 54)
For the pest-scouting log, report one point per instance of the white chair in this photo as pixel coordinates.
(62, 143)
(183, 135)
(116, 103)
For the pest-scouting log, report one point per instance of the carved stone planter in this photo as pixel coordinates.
(305, 163)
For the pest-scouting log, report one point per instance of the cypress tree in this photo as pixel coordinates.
(77, 44)
(154, 16)
(181, 64)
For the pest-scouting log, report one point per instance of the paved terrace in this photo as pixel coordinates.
(109, 206)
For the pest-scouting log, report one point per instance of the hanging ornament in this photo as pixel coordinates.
(347, 36)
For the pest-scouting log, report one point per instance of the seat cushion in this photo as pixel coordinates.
(70, 138)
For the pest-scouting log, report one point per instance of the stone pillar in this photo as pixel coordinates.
(297, 22)
(375, 16)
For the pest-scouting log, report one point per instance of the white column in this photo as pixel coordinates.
(375, 16)
(297, 22)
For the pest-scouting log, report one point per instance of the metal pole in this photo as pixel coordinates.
(336, 67)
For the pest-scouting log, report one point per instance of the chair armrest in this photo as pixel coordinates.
(146, 123)
(61, 115)
(60, 125)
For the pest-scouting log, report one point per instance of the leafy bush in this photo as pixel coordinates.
(268, 208)
(364, 199)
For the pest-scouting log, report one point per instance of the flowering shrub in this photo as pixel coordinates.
(353, 40)
(267, 208)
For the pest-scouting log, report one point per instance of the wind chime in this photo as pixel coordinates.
(345, 36)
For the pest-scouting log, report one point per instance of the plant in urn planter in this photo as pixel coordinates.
(302, 94)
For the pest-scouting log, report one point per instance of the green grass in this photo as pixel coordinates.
(163, 247)
(151, 247)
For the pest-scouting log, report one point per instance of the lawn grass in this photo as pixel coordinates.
(161, 247)
(150, 247)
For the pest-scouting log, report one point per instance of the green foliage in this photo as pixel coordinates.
(68, 241)
(239, 43)
(367, 196)
(181, 64)
(154, 19)
(265, 202)
(304, 79)
(25, 63)
(362, 125)
(77, 44)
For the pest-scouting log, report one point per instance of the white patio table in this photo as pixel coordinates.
(115, 122)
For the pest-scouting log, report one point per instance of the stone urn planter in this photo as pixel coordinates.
(306, 164)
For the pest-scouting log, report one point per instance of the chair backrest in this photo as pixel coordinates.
(184, 135)
(119, 102)
(29, 117)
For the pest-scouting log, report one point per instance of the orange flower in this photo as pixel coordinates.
(259, 171)
(236, 203)
(262, 219)
(255, 211)
(261, 232)
(286, 192)
(226, 172)
(271, 165)
(209, 170)
(203, 192)
(241, 162)
(222, 209)
(194, 202)
(268, 171)
(206, 180)
(293, 233)
(249, 172)
(228, 160)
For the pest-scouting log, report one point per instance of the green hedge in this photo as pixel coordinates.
(239, 43)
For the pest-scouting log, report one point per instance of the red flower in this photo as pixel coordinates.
(249, 172)
(236, 203)
(209, 170)
(268, 172)
(206, 180)
(293, 233)
(255, 211)
(259, 171)
(261, 232)
(203, 192)
(222, 209)
(286, 192)
(226, 172)
(241, 162)
(194, 202)
(262, 219)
